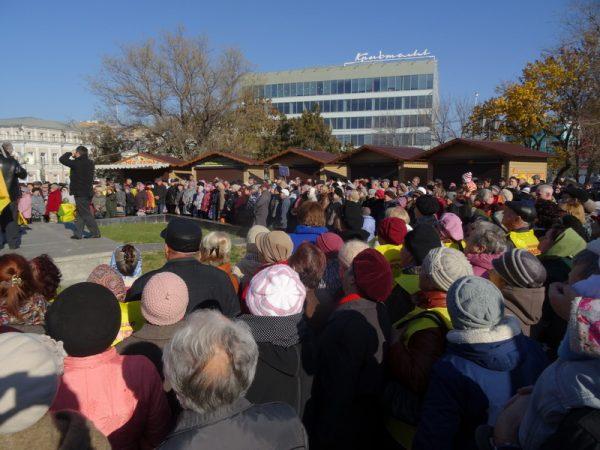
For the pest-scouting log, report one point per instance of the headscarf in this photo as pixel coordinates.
(275, 246)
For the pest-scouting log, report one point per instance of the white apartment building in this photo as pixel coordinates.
(38, 144)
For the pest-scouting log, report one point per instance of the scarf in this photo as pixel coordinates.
(283, 331)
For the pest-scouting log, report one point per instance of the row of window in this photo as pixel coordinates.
(393, 139)
(357, 104)
(387, 122)
(30, 158)
(29, 136)
(350, 86)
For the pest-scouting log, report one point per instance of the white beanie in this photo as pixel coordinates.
(29, 378)
(276, 291)
(443, 266)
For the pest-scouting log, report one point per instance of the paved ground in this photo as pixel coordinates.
(55, 240)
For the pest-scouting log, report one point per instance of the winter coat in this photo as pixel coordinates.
(12, 172)
(304, 233)
(239, 426)
(352, 216)
(111, 205)
(564, 385)
(344, 411)
(421, 343)
(61, 430)
(24, 205)
(526, 305)
(171, 197)
(261, 209)
(281, 215)
(470, 384)
(284, 371)
(121, 395)
(160, 191)
(54, 201)
(482, 262)
(208, 286)
(141, 200)
(369, 227)
(82, 174)
(38, 206)
(121, 199)
(99, 203)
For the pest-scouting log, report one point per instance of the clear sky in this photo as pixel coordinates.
(48, 47)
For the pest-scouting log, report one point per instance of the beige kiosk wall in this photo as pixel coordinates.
(527, 169)
(340, 169)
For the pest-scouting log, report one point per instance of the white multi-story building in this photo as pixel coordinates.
(38, 144)
(380, 99)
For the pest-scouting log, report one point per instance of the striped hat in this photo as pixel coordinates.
(519, 268)
(276, 291)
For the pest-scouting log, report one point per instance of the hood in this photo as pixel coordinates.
(483, 260)
(567, 245)
(526, 304)
(498, 348)
(305, 229)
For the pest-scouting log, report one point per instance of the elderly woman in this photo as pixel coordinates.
(451, 231)
(309, 262)
(276, 302)
(485, 242)
(311, 224)
(274, 247)
(127, 261)
(250, 263)
(46, 275)
(121, 394)
(228, 354)
(215, 250)
(21, 304)
(330, 244)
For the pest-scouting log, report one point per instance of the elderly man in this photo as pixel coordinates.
(211, 362)
(208, 286)
(517, 218)
(544, 192)
(12, 171)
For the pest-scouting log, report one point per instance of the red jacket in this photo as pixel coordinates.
(54, 201)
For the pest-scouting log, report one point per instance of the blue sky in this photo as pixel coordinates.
(48, 47)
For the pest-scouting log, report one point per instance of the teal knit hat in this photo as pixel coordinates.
(474, 302)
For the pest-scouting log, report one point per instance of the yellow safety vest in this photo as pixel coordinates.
(525, 240)
(455, 245)
(131, 320)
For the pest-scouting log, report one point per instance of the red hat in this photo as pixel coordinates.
(380, 194)
(392, 230)
(372, 275)
(329, 243)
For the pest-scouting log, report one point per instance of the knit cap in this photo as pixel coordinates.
(329, 243)
(86, 317)
(106, 276)
(392, 230)
(29, 378)
(420, 241)
(519, 268)
(584, 327)
(276, 291)
(427, 205)
(474, 302)
(443, 266)
(451, 226)
(165, 299)
(372, 275)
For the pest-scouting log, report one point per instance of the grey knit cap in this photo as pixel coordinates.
(519, 268)
(474, 302)
(443, 266)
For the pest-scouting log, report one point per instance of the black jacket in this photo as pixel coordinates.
(82, 174)
(160, 192)
(344, 411)
(12, 171)
(240, 426)
(171, 195)
(208, 286)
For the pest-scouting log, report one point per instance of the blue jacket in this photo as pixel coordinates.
(470, 384)
(304, 233)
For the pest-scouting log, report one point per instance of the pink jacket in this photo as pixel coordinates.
(482, 262)
(121, 394)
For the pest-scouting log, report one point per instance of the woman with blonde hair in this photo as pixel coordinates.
(215, 250)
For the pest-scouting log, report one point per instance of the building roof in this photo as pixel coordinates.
(397, 153)
(143, 161)
(238, 158)
(503, 148)
(315, 155)
(34, 122)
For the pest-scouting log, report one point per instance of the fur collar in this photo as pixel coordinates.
(506, 329)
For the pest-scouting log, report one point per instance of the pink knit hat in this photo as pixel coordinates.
(276, 291)
(165, 299)
(451, 227)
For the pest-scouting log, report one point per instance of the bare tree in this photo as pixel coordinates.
(449, 118)
(175, 89)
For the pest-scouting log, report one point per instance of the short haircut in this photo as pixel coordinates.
(489, 236)
(82, 150)
(399, 212)
(366, 211)
(310, 262)
(311, 214)
(210, 361)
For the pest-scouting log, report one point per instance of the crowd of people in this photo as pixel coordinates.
(363, 315)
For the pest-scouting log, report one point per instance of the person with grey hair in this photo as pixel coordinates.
(545, 192)
(210, 363)
(12, 172)
(485, 242)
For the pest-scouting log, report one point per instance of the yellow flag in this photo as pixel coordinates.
(4, 195)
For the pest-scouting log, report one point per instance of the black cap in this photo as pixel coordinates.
(182, 235)
(525, 209)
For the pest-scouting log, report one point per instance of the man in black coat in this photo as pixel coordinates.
(82, 179)
(12, 171)
(208, 286)
(160, 194)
